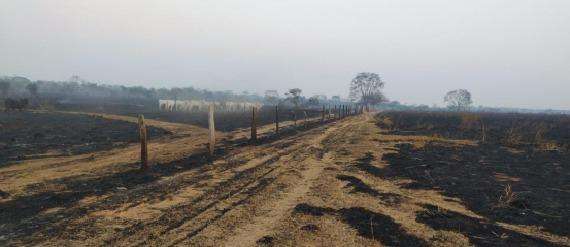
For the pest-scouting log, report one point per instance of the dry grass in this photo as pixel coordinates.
(507, 197)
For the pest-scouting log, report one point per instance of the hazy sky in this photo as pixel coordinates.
(507, 53)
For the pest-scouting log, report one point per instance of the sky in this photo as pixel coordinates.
(512, 53)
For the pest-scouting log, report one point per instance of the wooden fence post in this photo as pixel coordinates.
(211, 126)
(143, 140)
(253, 124)
(305, 123)
(295, 118)
(323, 115)
(276, 119)
(334, 113)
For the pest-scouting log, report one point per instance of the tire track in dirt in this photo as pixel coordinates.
(192, 216)
(188, 220)
(213, 226)
(263, 225)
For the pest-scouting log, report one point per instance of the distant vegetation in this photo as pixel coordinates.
(365, 88)
(78, 92)
(458, 100)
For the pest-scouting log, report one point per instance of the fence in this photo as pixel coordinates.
(260, 116)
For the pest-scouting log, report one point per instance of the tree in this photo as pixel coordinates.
(32, 89)
(70, 88)
(76, 79)
(4, 87)
(294, 95)
(272, 97)
(314, 101)
(366, 88)
(335, 99)
(458, 100)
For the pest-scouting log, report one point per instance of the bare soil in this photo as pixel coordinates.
(340, 183)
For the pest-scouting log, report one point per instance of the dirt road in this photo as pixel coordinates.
(321, 186)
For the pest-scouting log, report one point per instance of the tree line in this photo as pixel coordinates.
(364, 89)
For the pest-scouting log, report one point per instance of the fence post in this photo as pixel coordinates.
(211, 126)
(143, 140)
(253, 124)
(276, 119)
(334, 113)
(305, 123)
(323, 115)
(295, 118)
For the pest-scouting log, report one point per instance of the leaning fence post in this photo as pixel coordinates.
(143, 140)
(253, 124)
(276, 119)
(211, 126)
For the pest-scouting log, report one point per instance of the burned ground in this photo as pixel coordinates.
(339, 183)
(31, 135)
